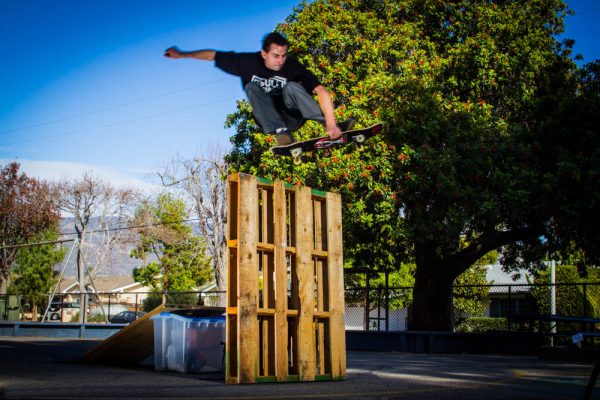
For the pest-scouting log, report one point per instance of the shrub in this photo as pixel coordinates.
(482, 324)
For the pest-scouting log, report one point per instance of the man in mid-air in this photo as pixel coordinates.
(278, 87)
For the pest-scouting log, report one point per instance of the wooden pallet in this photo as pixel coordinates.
(285, 291)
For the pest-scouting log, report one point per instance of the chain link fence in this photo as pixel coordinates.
(477, 308)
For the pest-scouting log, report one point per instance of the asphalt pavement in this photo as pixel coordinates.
(43, 368)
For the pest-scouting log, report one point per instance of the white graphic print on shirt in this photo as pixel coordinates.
(270, 84)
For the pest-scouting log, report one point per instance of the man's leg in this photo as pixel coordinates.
(295, 97)
(264, 109)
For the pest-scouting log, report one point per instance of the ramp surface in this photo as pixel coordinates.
(130, 345)
(135, 342)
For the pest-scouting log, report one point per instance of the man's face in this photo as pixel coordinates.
(275, 57)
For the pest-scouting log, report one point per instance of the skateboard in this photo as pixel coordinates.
(356, 136)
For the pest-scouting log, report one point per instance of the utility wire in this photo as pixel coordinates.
(112, 107)
(585, 12)
(121, 228)
(118, 123)
(18, 246)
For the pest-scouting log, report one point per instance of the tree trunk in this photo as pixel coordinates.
(432, 308)
(3, 285)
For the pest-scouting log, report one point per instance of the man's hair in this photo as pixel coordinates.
(276, 38)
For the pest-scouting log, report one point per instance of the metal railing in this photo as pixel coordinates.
(476, 307)
(101, 306)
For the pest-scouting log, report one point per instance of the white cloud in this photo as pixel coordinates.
(54, 171)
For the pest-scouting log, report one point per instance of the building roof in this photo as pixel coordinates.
(497, 276)
(122, 283)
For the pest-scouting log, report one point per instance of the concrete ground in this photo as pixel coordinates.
(44, 368)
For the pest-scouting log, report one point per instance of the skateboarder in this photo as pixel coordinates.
(278, 87)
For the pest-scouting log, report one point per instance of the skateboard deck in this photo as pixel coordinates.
(357, 136)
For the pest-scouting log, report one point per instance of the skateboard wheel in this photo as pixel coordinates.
(296, 153)
(360, 146)
(297, 160)
(360, 138)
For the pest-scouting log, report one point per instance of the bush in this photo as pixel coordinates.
(91, 318)
(180, 298)
(570, 297)
(482, 324)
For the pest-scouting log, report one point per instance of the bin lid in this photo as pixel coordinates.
(170, 315)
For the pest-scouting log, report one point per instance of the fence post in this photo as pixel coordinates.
(585, 308)
(379, 308)
(109, 297)
(509, 307)
(368, 302)
(387, 300)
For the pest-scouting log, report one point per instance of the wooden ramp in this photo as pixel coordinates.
(130, 345)
(135, 342)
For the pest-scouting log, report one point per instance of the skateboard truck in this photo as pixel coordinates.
(359, 140)
(296, 155)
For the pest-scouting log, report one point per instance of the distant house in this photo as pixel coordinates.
(508, 295)
(111, 293)
(114, 294)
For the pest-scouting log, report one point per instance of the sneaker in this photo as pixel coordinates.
(346, 125)
(284, 137)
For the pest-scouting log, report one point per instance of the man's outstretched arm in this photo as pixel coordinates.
(174, 52)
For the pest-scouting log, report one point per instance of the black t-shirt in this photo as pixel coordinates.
(251, 68)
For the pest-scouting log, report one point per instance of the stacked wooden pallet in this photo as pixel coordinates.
(285, 292)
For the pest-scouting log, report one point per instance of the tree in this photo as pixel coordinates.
(203, 181)
(179, 261)
(477, 155)
(471, 294)
(26, 209)
(33, 275)
(99, 212)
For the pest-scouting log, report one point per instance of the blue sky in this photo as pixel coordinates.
(84, 85)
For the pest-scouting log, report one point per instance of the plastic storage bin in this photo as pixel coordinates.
(188, 344)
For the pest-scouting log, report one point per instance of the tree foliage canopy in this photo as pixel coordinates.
(26, 209)
(491, 134)
(178, 257)
(33, 274)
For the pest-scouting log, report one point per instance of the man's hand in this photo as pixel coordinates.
(334, 131)
(206, 55)
(173, 52)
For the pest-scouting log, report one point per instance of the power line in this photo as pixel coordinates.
(111, 107)
(121, 228)
(18, 246)
(117, 123)
(585, 12)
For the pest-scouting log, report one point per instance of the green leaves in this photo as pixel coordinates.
(26, 210)
(179, 260)
(33, 272)
(472, 94)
